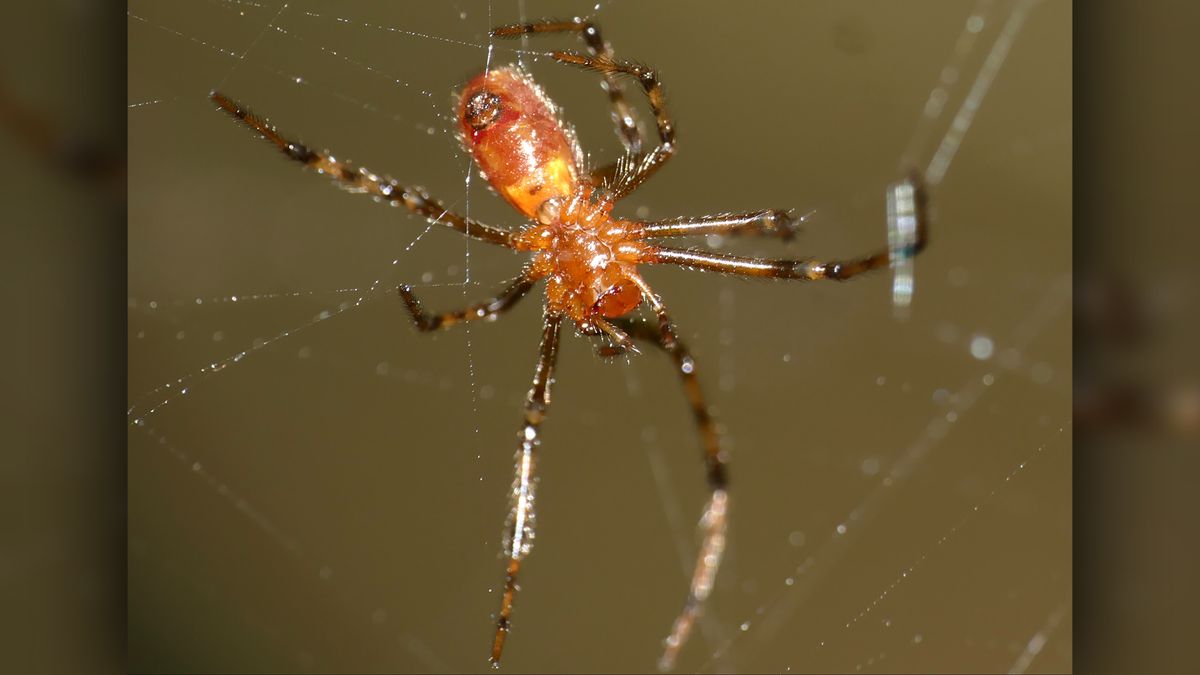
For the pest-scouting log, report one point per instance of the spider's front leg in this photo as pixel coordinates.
(624, 119)
(801, 269)
(627, 173)
(624, 176)
(519, 528)
(360, 180)
(770, 223)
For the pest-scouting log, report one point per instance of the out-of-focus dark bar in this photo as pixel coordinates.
(62, 137)
(1137, 394)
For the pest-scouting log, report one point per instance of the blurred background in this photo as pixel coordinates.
(332, 499)
(329, 495)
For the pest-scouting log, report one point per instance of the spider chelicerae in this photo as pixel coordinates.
(587, 256)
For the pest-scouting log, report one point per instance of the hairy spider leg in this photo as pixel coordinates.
(714, 517)
(624, 176)
(768, 222)
(361, 180)
(519, 528)
(487, 310)
(623, 116)
(805, 269)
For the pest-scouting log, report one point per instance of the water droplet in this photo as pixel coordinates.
(982, 347)
(870, 466)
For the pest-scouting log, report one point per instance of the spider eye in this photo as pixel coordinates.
(482, 109)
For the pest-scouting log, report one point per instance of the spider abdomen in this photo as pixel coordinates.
(517, 139)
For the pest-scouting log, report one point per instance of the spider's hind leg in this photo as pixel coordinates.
(487, 310)
(714, 518)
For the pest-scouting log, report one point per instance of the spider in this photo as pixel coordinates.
(588, 257)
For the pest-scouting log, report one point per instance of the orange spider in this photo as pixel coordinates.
(587, 256)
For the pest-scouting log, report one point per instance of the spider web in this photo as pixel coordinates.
(314, 486)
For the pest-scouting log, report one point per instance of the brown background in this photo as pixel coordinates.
(311, 509)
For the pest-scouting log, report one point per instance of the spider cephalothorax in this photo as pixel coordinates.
(587, 256)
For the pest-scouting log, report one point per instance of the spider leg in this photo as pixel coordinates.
(519, 528)
(713, 520)
(621, 341)
(623, 115)
(361, 180)
(627, 173)
(771, 222)
(486, 310)
(802, 269)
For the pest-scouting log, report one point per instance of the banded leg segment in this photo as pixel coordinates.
(714, 518)
(623, 117)
(771, 223)
(802, 269)
(360, 180)
(806, 270)
(627, 173)
(486, 310)
(519, 528)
